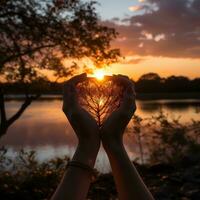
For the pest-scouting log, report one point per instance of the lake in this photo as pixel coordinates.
(44, 128)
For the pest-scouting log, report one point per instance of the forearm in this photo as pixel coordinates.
(76, 181)
(128, 182)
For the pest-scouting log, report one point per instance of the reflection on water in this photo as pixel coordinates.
(44, 128)
(185, 109)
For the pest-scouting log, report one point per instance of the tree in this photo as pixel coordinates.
(37, 36)
(100, 99)
(149, 77)
(148, 83)
(195, 85)
(177, 84)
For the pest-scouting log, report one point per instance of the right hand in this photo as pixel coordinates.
(113, 128)
(82, 122)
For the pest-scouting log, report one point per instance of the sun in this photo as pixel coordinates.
(99, 74)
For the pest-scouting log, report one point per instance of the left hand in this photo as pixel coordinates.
(84, 125)
(113, 128)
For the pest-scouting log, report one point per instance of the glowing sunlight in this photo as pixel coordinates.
(99, 74)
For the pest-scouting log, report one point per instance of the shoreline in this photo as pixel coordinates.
(141, 96)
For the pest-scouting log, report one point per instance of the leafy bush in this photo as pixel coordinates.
(165, 140)
(26, 178)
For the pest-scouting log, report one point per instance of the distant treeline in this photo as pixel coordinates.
(147, 83)
(153, 83)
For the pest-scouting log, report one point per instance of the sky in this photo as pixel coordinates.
(161, 36)
(109, 9)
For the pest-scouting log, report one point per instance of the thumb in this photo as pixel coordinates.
(128, 100)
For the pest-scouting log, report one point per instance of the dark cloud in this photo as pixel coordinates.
(169, 28)
(130, 60)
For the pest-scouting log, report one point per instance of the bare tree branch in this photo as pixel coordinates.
(23, 107)
(100, 99)
(2, 107)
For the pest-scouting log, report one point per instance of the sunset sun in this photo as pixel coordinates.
(99, 74)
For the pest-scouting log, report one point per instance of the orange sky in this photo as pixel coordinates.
(155, 36)
(135, 66)
(163, 66)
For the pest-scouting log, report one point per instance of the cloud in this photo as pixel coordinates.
(134, 8)
(147, 35)
(169, 28)
(132, 60)
(159, 37)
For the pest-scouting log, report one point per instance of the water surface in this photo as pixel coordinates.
(44, 127)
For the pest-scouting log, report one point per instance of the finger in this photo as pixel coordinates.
(69, 86)
(125, 82)
(128, 100)
(129, 94)
(122, 80)
(131, 89)
(69, 95)
(69, 91)
(77, 79)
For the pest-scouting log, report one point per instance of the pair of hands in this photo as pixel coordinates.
(128, 182)
(85, 126)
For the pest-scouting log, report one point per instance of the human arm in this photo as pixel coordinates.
(128, 182)
(76, 181)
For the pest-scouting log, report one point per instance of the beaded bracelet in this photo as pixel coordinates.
(82, 166)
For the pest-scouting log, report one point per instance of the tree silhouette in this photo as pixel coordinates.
(150, 77)
(177, 84)
(150, 82)
(100, 98)
(37, 36)
(153, 83)
(195, 85)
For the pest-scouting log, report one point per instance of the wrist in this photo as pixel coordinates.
(113, 144)
(86, 153)
(90, 142)
(88, 146)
